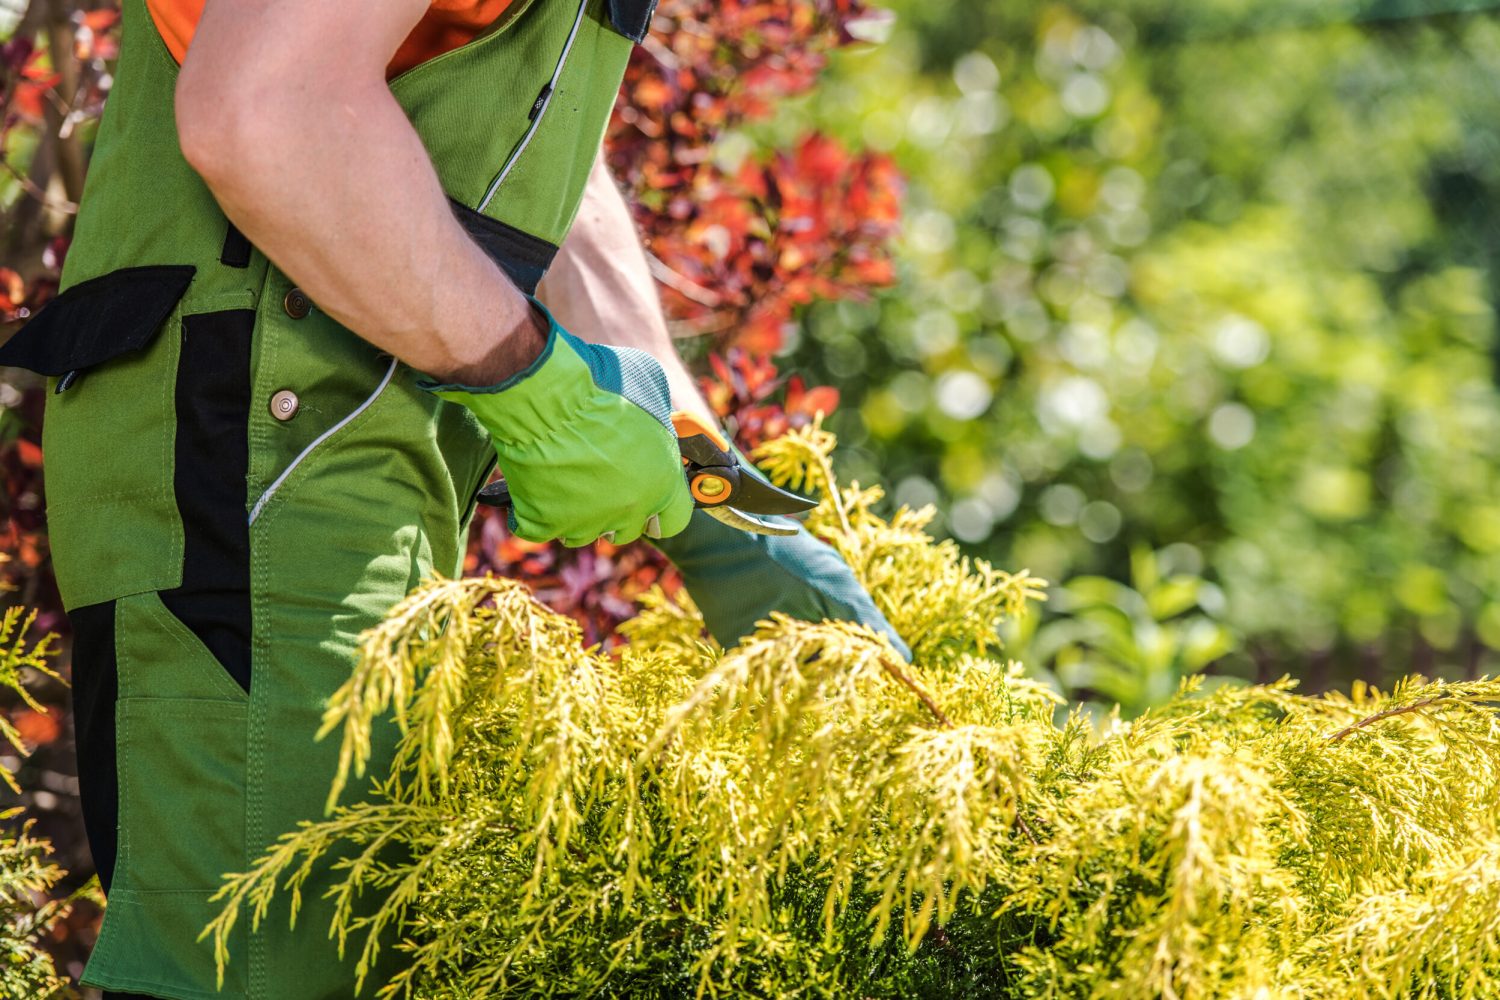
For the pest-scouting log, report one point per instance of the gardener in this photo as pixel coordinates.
(296, 329)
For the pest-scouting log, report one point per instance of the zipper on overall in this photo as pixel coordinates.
(538, 112)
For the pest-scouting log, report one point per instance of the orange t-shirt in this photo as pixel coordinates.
(446, 25)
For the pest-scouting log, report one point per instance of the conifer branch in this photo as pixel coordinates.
(1455, 694)
(1380, 716)
(891, 666)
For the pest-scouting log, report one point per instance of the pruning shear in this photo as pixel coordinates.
(722, 486)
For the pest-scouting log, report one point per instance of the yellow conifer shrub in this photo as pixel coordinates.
(29, 910)
(808, 815)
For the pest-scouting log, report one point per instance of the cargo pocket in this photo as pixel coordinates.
(109, 430)
(180, 738)
(97, 321)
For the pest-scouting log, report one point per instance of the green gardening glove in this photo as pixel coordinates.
(585, 440)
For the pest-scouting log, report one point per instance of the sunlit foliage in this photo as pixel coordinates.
(27, 873)
(808, 815)
(20, 653)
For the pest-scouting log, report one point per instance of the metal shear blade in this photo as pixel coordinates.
(758, 496)
(748, 522)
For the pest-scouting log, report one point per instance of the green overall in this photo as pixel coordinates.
(238, 486)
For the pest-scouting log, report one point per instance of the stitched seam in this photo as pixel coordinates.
(255, 725)
(166, 707)
(195, 304)
(110, 982)
(124, 808)
(265, 343)
(174, 627)
(95, 593)
(290, 479)
(88, 502)
(269, 341)
(136, 893)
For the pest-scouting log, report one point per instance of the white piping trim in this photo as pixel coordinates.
(541, 113)
(265, 497)
(489, 194)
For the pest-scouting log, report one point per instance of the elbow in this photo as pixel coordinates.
(220, 133)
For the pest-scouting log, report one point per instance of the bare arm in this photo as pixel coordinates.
(283, 108)
(600, 286)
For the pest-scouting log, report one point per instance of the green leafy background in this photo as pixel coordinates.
(1190, 299)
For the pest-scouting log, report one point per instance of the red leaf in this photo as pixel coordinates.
(36, 728)
(29, 453)
(12, 287)
(823, 399)
(101, 20)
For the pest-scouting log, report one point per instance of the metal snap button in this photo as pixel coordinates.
(284, 405)
(296, 303)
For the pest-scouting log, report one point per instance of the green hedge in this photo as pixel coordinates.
(807, 815)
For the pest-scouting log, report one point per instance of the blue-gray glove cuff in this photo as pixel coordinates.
(738, 578)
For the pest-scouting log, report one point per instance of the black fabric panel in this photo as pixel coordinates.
(98, 319)
(236, 252)
(631, 18)
(213, 458)
(96, 688)
(525, 258)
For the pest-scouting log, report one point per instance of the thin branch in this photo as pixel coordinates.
(825, 464)
(909, 682)
(682, 329)
(682, 284)
(1415, 706)
(60, 43)
(661, 53)
(31, 188)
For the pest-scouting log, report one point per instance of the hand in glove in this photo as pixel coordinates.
(584, 437)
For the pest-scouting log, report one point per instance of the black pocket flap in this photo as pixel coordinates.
(631, 18)
(98, 319)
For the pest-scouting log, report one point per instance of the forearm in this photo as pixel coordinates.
(323, 172)
(600, 286)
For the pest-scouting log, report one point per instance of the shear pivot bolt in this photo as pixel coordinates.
(707, 489)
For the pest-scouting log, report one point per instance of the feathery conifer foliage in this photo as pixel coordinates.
(808, 815)
(27, 872)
